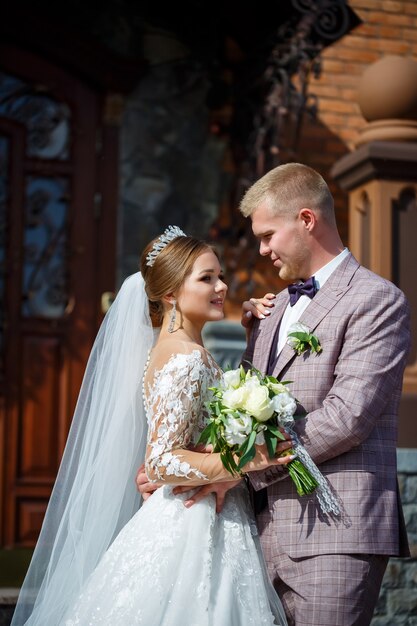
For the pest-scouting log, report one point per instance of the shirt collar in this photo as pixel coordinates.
(327, 270)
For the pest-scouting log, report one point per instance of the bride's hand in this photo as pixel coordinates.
(262, 459)
(144, 486)
(256, 307)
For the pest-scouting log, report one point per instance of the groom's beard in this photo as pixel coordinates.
(295, 268)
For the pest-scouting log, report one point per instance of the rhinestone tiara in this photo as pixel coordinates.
(169, 234)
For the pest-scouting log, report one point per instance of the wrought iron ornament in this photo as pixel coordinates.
(279, 97)
(273, 107)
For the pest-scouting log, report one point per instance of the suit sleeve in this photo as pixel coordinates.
(367, 376)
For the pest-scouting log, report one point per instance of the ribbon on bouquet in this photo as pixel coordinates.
(329, 503)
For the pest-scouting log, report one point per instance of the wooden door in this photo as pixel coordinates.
(51, 278)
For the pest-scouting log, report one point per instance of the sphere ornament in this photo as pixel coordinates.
(387, 97)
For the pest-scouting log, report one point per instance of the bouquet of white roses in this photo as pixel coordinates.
(248, 409)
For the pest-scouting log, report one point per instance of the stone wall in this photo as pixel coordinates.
(397, 604)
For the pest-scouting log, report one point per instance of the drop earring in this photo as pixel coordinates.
(173, 315)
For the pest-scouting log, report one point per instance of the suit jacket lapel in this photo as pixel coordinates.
(322, 303)
(267, 330)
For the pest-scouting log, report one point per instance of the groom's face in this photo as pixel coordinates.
(283, 239)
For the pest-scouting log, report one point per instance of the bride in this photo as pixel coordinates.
(101, 559)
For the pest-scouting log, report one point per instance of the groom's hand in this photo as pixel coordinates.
(144, 486)
(256, 307)
(219, 490)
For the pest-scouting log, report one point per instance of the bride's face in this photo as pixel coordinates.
(201, 297)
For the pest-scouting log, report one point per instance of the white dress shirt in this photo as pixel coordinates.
(293, 313)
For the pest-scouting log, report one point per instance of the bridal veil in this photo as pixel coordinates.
(95, 492)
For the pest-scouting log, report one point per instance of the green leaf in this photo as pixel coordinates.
(303, 480)
(271, 379)
(248, 456)
(271, 443)
(214, 440)
(250, 450)
(252, 438)
(243, 447)
(229, 462)
(224, 456)
(255, 371)
(275, 431)
(299, 335)
(206, 434)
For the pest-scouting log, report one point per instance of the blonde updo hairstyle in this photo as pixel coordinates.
(171, 267)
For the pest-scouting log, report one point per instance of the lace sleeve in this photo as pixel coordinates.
(175, 408)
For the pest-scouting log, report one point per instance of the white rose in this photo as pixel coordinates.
(231, 378)
(252, 383)
(297, 327)
(258, 403)
(235, 398)
(237, 429)
(284, 404)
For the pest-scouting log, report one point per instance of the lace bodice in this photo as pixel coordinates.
(175, 392)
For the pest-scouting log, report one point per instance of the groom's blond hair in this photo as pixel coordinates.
(288, 188)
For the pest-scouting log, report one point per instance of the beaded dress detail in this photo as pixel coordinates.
(177, 566)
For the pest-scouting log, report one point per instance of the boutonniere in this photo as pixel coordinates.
(301, 339)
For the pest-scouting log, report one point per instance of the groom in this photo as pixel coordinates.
(327, 571)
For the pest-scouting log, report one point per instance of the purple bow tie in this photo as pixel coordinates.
(302, 289)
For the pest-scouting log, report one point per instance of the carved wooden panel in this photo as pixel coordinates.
(30, 514)
(39, 409)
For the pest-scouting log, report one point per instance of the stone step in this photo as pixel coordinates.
(8, 599)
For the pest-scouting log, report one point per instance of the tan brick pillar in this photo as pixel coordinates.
(381, 180)
(380, 177)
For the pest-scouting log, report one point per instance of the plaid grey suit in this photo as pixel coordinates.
(350, 392)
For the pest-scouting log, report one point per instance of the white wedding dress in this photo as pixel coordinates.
(177, 566)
